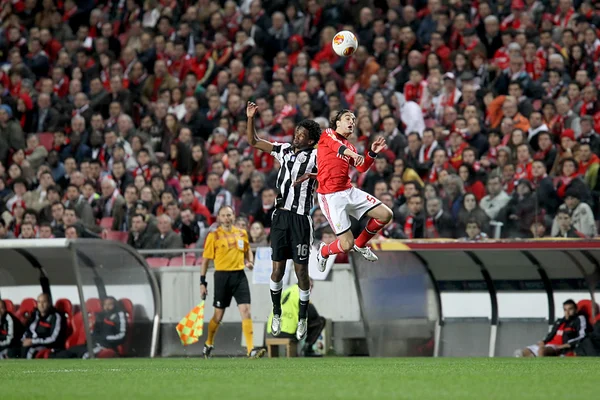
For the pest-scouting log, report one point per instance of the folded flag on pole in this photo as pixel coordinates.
(190, 327)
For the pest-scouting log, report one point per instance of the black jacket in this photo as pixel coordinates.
(572, 330)
(48, 331)
(11, 332)
(110, 328)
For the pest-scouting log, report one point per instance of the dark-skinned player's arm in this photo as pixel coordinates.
(377, 147)
(251, 134)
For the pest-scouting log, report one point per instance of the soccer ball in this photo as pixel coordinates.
(344, 43)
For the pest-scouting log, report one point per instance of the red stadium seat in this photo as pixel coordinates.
(106, 222)
(47, 140)
(117, 236)
(178, 261)
(26, 308)
(584, 307)
(106, 353)
(10, 307)
(202, 190)
(77, 336)
(199, 261)
(44, 353)
(157, 261)
(64, 306)
(93, 305)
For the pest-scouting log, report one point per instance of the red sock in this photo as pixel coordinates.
(331, 249)
(373, 226)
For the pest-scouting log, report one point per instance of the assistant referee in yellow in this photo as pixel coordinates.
(230, 249)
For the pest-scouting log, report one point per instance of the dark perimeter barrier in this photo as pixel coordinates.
(399, 294)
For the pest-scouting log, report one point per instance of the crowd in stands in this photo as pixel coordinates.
(129, 117)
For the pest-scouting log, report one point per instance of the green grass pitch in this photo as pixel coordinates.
(328, 378)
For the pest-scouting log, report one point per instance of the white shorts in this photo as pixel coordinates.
(534, 348)
(338, 207)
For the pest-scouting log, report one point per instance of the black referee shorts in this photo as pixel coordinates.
(230, 284)
(291, 236)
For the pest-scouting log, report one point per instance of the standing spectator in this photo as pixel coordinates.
(217, 196)
(439, 223)
(111, 200)
(264, 212)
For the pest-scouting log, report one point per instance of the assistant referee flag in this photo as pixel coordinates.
(190, 327)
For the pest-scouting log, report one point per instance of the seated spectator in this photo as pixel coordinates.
(11, 331)
(110, 330)
(565, 228)
(58, 211)
(470, 211)
(289, 319)
(111, 200)
(83, 231)
(45, 231)
(414, 223)
(496, 199)
(44, 330)
(471, 183)
(140, 236)
(439, 224)
(582, 217)
(122, 219)
(82, 208)
(520, 212)
(27, 231)
(264, 212)
(166, 239)
(564, 335)
(217, 195)
(191, 227)
(473, 231)
(258, 235)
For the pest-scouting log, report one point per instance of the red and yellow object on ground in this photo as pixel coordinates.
(190, 327)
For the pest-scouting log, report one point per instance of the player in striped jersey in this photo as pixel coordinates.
(291, 229)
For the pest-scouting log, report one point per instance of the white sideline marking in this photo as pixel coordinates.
(61, 371)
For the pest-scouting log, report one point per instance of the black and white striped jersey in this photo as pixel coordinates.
(298, 199)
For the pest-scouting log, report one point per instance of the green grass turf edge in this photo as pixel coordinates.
(329, 378)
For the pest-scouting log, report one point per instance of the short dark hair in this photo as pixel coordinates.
(570, 302)
(313, 128)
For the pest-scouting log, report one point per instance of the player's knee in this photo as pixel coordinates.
(277, 274)
(386, 214)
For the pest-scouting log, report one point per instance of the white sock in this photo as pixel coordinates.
(276, 286)
(304, 294)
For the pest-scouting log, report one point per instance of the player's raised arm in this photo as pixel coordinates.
(334, 144)
(378, 146)
(253, 138)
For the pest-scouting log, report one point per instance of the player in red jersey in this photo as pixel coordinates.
(338, 199)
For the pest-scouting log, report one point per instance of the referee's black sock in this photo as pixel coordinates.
(276, 288)
(304, 299)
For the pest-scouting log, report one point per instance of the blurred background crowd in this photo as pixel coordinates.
(126, 119)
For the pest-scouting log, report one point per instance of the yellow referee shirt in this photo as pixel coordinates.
(227, 248)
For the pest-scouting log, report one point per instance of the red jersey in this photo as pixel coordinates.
(332, 166)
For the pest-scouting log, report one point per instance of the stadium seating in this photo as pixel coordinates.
(106, 222)
(10, 307)
(93, 305)
(190, 260)
(585, 308)
(77, 336)
(117, 236)
(47, 140)
(157, 261)
(26, 308)
(64, 306)
(202, 190)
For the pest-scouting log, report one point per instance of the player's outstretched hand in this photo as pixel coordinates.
(251, 109)
(304, 177)
(203, 292)
(378, 145)
(359, 160)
